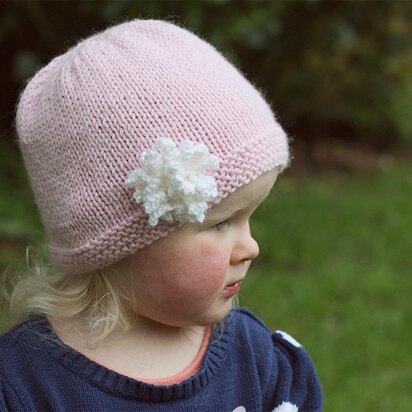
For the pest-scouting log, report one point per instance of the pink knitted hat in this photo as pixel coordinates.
(85, 120)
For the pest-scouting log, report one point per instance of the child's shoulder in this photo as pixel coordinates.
(249, 319)
(281, 362)
(10, 337)
(257, 332)
(17, 344)
(14, 364)
(254, 328)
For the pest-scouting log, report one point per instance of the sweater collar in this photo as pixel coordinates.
(40, 330)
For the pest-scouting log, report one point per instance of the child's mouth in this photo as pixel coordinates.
(232, 289)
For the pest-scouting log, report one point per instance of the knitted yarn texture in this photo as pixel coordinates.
(172, 184)
(84, 119)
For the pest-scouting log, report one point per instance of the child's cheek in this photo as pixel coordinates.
(195, 278)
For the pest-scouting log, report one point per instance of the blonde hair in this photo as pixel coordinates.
(91, 297)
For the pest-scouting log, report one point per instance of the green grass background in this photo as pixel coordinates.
(334, 271)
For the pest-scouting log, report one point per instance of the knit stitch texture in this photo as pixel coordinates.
(247, 368)
(84, 119)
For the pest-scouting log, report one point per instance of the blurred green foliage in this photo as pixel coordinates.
(334, 271)
(20, 223)
(330, 69)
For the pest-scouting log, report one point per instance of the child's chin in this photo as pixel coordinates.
(217, 314)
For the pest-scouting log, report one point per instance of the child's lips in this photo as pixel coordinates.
(233, 288)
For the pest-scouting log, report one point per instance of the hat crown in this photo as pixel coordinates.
(84, 119)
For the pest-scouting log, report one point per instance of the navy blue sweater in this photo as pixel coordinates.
(247, 368)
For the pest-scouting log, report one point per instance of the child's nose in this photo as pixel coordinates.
(246, 247)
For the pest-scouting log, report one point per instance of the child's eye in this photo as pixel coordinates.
(219, 226)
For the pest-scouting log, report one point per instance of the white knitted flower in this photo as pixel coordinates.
(172, 184)
(286, 407)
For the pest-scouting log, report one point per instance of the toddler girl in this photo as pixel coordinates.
(147, 153)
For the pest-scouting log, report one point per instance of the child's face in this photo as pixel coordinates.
(180, 280)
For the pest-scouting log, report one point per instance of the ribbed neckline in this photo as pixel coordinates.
(39, 329)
